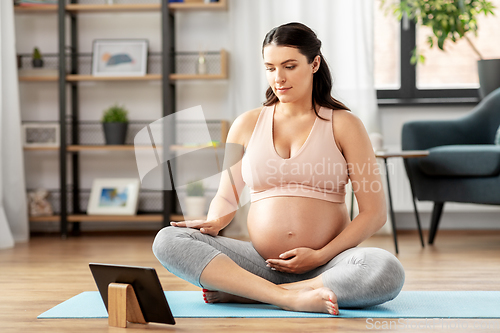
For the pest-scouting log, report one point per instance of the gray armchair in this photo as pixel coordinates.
(463, 163)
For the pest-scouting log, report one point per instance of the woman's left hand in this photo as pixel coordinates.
(297, 261)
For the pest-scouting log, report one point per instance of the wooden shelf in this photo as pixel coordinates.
(77, 148)
(197, 77)
(122, 218)
(116, 218)
(41, 148)
(186, 147)
(107, 218)
(36, 9)
(52, 218)
(147, 77)
(77, 8)
(100, 147)
(38, 78)
(198, 5)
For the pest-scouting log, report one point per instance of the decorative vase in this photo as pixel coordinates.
(201, 65)
(489, 76)
(115, 133)
(195, 206)
(37, 63)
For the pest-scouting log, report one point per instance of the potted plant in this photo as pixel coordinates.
(451, 20)
(37, 60)
(195, 199)
(115, 124)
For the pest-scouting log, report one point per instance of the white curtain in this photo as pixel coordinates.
(13, 209)
(346, 31)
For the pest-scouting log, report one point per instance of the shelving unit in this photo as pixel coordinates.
(70, 76)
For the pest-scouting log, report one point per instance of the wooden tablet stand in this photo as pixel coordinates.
(123, 306)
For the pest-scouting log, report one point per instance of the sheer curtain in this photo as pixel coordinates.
(13, 209)
(346, 31)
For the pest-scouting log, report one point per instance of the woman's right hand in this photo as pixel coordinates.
(211, 228)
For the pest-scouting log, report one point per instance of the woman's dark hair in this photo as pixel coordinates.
(301, 37)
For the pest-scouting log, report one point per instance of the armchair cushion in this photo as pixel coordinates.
(462, 161)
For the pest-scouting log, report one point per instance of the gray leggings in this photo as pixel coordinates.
(360, 277)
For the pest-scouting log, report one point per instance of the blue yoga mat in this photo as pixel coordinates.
(408, 304)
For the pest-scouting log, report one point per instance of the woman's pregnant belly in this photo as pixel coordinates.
(279, 224)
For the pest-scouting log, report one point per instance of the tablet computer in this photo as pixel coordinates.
(146, 285)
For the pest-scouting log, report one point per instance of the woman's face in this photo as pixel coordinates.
(289, 74)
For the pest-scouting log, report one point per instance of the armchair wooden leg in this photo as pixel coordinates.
(436, 215)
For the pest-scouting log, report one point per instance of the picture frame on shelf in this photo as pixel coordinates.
(119, 57)
(114, 196)
(40, 135)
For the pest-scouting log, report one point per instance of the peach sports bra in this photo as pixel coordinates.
(318, 170)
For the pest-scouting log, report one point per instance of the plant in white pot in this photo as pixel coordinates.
(450, 20)
(115, 124)
(195, 199)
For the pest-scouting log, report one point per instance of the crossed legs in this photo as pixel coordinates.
(224, 275)
(236, 272)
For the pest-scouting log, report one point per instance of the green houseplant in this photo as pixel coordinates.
(115, 124)
(450, 20)
(195, 189)
(195, 199)
(36, 58)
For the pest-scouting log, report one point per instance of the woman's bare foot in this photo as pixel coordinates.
(307, 300)
(214, 296)
(314, 300)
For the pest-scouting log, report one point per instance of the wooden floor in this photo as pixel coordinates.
(38, 275)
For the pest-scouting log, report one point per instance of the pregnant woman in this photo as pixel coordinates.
(297, 153)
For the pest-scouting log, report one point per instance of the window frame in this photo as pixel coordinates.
(408, 93)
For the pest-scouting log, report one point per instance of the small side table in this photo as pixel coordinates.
(405, 154)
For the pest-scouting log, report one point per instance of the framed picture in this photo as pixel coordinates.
(40, 134)
(114, 196)
(119, 57)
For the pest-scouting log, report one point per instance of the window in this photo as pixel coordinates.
(444, 76)
(457, 66)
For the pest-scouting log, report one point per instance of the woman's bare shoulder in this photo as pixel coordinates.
(345, 122)
(347, 128)
(242, 128)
